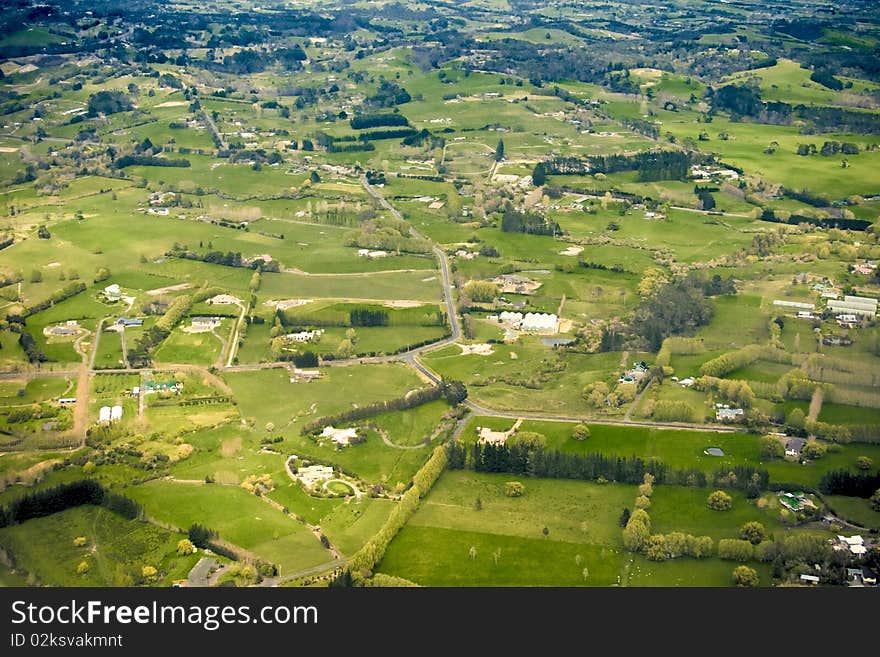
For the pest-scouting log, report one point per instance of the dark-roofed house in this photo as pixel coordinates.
(794, 446)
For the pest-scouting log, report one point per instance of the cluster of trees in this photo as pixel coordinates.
(368, 317)
(387, 234)
(227, 259)
(66, 496)
(109, 102)
(531, 223)
(660, 547)
(829, 148)
(418, 139)
(731, 361)
(364, 560)
(651, 165)
(745, 101)
(31, 348)
(843, 482)
(532, 458)
(672, 410)
(149, 161)
(378, 120)
(599, 394)
(480, 291)
(678, 308)
(733, 390)
(388, 94)
(20, 414)
(453, 391)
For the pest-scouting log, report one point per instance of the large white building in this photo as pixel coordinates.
(341, 437)
(540, 322)
(852, 305)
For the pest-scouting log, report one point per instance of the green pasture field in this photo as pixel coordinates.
(290, 405)
(433, 556)
(435, 547)
(268, 396)
(373, 339)
(760, 370)
(257, 339)
(537, 35)
(109, 355)
(560, 392)
(840, 414)
(238, 516)
(689, 572)
(677, 508)
(116, 549)
(314, 314)
(788, 82)
(745, 148)
(19, 392)
(349, 526)
(855, 509)
(702, 409)
(682, 448)
(196, 348)
(413, 426)
(737, 321)
(414, 286)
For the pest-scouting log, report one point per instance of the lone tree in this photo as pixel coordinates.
(771, 448)
(875, 500)
(580, 432)
(753, 532)
(539, 175)
(719, 501)
(514, 489)
(455, 392)
(745, 577)
(624, 518)
(499, 151)
(864, 462)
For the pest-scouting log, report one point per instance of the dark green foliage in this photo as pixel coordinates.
(201, 536)
(377, 120)
(31, 348)
(677, 309)
(531, 223)
(841, 482)
(455, 392)
(149, 161)
(389, 94)
(109, 102)
(539, 174)
(739, 100)
(66, 496)
(306, 359)
(826, 79)
(368, 317)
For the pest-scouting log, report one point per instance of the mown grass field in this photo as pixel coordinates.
(238, 516)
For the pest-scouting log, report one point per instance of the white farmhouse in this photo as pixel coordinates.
(341, 437)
